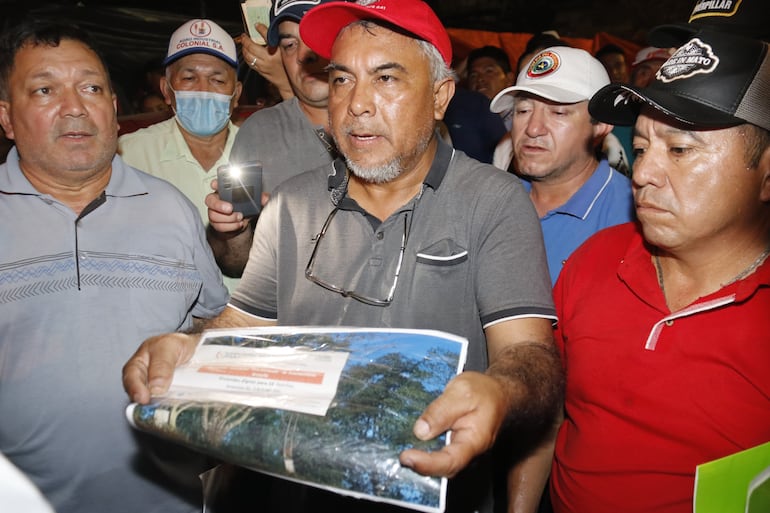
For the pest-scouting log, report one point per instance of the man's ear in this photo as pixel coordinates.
(510, 79)
(237, 94)
(5, 119)
(442, 94)
(600, 132)
(165, 89)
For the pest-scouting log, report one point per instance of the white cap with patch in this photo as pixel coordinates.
(560, 74)
(201, 36)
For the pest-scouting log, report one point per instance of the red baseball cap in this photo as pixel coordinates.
(321, 25)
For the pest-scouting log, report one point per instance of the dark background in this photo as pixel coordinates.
(133, 32)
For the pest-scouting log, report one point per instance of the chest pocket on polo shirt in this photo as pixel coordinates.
(442, 274)
(445, 253)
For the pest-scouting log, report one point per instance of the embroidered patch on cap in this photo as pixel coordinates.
(692, 58)
(543, 65)
(706, 8)
(282, 5)
(200, 28)
(201, 36)
(715, 80)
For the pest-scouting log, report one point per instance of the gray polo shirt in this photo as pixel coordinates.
(474, 254)
(78, 294)
(283, 139)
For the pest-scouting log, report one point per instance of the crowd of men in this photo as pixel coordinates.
(617, 325)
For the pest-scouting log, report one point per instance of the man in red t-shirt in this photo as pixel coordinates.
(663, 325)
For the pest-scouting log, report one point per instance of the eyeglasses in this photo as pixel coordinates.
(350, 293)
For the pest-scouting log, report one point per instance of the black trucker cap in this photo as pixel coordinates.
(749, 18)
(714, 80)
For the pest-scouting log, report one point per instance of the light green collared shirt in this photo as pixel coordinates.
(161, 151)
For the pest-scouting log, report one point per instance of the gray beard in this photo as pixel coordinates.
(377, 175)
(390, 170)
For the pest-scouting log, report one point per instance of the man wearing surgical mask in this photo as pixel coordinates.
(201, 86)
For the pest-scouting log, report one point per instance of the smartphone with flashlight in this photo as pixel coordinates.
(241, 185)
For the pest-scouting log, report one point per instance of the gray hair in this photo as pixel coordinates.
(439, 70)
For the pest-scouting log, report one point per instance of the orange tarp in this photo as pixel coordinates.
(465, 40)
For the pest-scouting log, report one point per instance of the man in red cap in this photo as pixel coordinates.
(401, 232)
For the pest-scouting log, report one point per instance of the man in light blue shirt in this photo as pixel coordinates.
(556, 150)
(95, 256)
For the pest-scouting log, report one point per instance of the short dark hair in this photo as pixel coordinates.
(608, 49)
(493, 52)
(539, 42)
(30, 32)
(542, 41)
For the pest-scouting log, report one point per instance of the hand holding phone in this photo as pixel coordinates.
(241, 185)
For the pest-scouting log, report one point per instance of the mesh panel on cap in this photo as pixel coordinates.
(755, 104)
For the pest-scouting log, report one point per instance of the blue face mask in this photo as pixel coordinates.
(202, 113)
